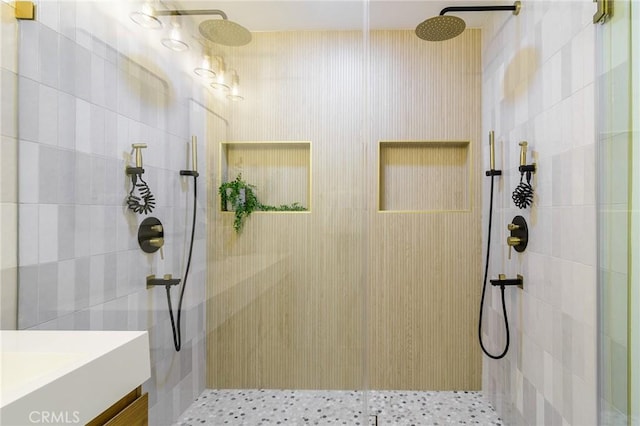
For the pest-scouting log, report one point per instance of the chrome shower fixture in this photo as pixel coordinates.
(440, 28)
(219, 31)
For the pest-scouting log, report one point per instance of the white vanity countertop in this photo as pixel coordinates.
(68, 376)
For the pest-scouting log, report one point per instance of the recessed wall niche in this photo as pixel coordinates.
(281, 171)
(424, 176)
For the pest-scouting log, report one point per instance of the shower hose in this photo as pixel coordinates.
(175, 326)
(484, 288)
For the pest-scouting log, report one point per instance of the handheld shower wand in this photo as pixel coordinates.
(492, 173)
(175, 323)
(492, 157)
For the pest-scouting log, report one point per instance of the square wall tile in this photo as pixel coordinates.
(96, 281)
(83, 73)
(8, 103)
(82, 222)
(48, 174)
(66, 121)
(8, 169)
(28, 297)
(48, 54)
(66, 177)
(67, 65)
(48, 233)
(9, 299)
(82, 283)
(97, 230)
(83, 126)
(29, 236)
(83, 177)
(97, 130)
(9, 230)
(66, 286)
(28, 44)
(48, 116)
(49, 13)
(66, 232)
(98, 89)
(28, 109)
(47, 292)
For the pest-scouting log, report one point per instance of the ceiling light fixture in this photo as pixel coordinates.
(204, 70)
(174, 41)
(219, 31)
(220, 84)
(146, 17)
(235, 83)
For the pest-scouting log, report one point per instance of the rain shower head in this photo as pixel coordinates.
(225, 32)
(443, 27)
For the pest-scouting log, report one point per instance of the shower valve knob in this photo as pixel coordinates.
(156, 242)
(519, 234)
(513, 241)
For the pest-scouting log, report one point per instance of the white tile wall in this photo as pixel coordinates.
(549, 376)
(83, 96)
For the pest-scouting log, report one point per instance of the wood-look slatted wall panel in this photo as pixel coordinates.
(280, 171)
(425, 268)
(412, 176)
(287, 294)
(287, 298)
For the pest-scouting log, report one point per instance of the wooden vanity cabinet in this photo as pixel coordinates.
(131, 410)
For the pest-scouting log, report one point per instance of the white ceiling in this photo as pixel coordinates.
(290, 15)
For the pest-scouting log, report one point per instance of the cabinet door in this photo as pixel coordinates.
(136, 414)
(131, 410)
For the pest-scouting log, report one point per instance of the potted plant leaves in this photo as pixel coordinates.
(240, 197)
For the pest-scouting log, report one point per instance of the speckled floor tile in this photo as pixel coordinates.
(301, 407)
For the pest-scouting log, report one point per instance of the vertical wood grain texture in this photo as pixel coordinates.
(280, 171)
(286, 298)
(414, 174)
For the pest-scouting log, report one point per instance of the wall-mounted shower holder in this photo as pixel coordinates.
(503, 281)
(519, 234)
(166, 281)
(524, 167)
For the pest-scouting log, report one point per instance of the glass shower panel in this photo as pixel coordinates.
(634, 314)
(425, 144)
(615, 217)
(286, 292)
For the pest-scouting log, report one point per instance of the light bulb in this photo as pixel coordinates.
(234, 95)
(220, 84)
(174, 41)
(146, 17)
(204, 70)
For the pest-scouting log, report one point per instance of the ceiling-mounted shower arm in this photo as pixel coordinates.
(515, 8)
(178, 12)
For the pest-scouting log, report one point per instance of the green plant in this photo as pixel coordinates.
(243, 201)
(295, 207)
(242, 198)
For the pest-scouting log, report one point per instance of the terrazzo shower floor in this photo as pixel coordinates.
(300, 407)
